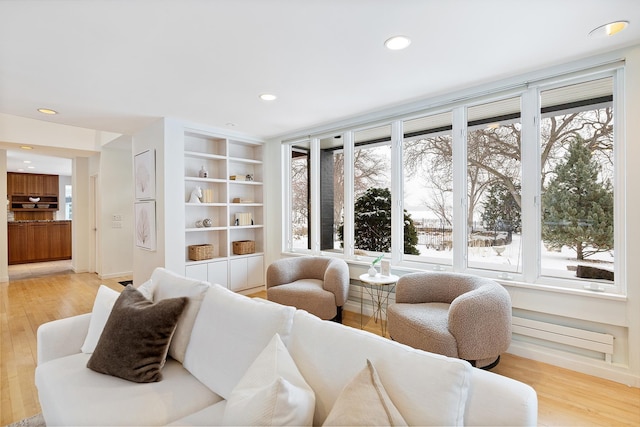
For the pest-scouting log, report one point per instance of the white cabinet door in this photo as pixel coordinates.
(197, 271)
(255, 271)
(238, 274)
(217, 273)
(246, 273)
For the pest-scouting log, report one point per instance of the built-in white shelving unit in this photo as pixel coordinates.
(231, 189)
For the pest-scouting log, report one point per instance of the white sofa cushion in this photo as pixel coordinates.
(207, 417)
(427, 389)
(165, 284)
(364, 402)
(70, 394)
(102, 305)
(271, 393)
(229, 333)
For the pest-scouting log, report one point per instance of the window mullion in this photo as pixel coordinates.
(315, 196)
(348, 233)
(397, 214)
(530, 152)
(459, 159)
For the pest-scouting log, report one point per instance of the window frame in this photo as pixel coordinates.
(530, 115)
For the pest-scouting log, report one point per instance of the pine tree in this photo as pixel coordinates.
(501, 211)
(577, 205)
(372, 223)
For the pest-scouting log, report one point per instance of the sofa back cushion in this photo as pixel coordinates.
(427, 389)
(165, 284)
(230, 331)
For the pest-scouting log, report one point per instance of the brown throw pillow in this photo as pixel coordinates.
(136, 337)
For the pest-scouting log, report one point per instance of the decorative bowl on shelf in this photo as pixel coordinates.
(34, 199)
(28, 205)
(43, 205)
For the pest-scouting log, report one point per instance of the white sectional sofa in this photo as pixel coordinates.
(250, 361)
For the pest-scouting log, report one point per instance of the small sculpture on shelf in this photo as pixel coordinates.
(249, 177)
(207, 222)
(203, 173)
(196, 194)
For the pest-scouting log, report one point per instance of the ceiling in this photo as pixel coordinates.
(119, 65)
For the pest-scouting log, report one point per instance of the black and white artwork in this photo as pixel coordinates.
(145, 225)
(145, 175)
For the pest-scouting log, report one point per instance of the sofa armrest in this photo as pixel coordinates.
(495, 400)
(62, 337)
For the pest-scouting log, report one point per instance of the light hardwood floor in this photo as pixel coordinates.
(566, 398)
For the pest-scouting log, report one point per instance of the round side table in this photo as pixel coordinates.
(378, 287)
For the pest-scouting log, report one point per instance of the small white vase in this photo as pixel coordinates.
(372, 271)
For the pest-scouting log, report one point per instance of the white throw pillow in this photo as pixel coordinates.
(229, 333)
(271, 393)
(364, 402)
(165, 284)
(102, 305)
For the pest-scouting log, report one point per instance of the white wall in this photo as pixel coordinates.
(115, 239)
(144, 261)
(80, 225)
(62, 182)
(20, 130)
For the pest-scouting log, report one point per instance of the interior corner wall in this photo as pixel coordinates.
(116, 201)
(145, 261)
(81, 221)
(4, 249)
(63, 181)
(273, 193)
(632, 206)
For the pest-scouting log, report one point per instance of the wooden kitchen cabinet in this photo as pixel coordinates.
(60, 240)
(17, 184)
(17, 236)
(50, 185)
(37, 241)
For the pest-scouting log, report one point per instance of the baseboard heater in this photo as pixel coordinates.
(580, 338)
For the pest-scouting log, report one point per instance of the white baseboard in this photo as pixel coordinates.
(601, 369)
(114, 275)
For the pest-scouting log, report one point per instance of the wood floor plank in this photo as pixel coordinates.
(566, 398)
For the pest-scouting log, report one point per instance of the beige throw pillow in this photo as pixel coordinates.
(364, 402)
(136, 337)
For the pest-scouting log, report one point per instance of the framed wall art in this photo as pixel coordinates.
(145, 225)
(144, 165)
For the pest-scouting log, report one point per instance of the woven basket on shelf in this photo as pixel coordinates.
(242, 247)
(200, 252)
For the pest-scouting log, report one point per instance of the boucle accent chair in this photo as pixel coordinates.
(453, 314)
(319, 285)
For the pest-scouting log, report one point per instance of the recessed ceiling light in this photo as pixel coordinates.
(27, 161)
(268, 97)
(610, 29)
(397, 42)
(31, 167)
(47, 111)
(26, 147)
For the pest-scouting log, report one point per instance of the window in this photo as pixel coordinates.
(331, 193)
(299, 239)
(520, 185)
(428, 187)
(577, 175)
(493, 186)
(372, 190)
